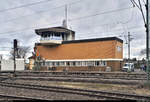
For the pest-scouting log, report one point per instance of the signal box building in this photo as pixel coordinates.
(59, 51)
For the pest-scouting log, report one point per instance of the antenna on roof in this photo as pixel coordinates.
(65, 21)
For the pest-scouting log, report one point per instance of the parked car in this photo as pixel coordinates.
(128, 67)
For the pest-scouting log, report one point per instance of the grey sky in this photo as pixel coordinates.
(107, 23)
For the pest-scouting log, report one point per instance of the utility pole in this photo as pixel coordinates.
(129, 39)
(147, 38)
(15, 49)
(129, 50)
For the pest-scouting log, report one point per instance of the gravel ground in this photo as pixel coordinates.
(43, 94)
(86, 80)
(132, 89)
(129, 89)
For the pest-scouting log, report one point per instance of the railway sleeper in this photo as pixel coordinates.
(77, 91)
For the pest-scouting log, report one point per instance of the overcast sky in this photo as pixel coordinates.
(88, 18)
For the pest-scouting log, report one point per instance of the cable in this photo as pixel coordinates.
(142, 12)
(5, 47)
(71, 19)
(139, 26)
(29, 15)
(130, 19)
(107, 32)
(24, 29)
(101, 13)
(39, 12)
(26, 5)
(140, 8)
(8, 33)
(144, 2)
(134, 3)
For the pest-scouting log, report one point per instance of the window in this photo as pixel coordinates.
(119, 48)
(74, 63)
(46, 63)
(104, 63)
(62, 63)
(53, 63)
(67, 63)
(78, 63)
(83, 63)
(97, 63)
(90, 63)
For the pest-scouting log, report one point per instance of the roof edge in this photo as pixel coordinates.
(93, 40)
(90, 40)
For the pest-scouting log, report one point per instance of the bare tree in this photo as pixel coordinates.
(21, 52)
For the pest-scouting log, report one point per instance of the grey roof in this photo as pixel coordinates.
(90, 40)
(94, 40)
(53, 29)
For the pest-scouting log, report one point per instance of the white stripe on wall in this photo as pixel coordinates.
(86, 60)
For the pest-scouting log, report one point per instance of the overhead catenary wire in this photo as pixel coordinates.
(135, 4)
(109, 32)
(5, 47)
(142, 12)
(39, 12)
(10, 32)
(109, 35)
(26, 5)
(130, 19)
(139, 6)
(71, 19)
(101, 13)
(23, 30)
(140, 26)
(144, 2)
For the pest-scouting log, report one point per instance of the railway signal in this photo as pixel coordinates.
(15, 50)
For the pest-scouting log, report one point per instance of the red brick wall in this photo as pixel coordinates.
(86, 50)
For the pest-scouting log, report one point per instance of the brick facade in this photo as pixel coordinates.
(110, 48)
(86, 50)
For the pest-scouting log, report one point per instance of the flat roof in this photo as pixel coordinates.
(93, 40)
(53, 29)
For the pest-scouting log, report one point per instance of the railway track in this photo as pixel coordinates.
(91, 80)
(4, 97)
(99, 75)
(91, 93)
(107, 78)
